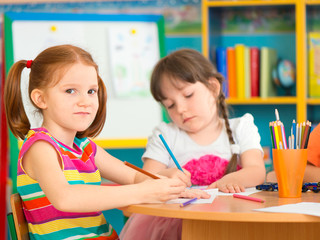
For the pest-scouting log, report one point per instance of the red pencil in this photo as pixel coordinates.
(248, 198)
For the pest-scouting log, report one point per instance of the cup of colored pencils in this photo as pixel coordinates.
(289, 156)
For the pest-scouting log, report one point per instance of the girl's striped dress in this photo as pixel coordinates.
(45, 222)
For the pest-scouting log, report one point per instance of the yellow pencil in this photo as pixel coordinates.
(302, 133)
(279, 132)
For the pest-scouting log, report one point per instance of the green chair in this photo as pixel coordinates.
(12, 229)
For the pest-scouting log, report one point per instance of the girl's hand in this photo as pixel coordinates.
(227, 187)
(192, 193)
(161, 190)
(184, 176)
(271, 177)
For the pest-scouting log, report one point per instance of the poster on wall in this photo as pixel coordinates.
(125, 47)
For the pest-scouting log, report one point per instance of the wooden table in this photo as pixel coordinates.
(232, 218)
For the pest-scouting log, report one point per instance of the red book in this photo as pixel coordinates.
(255, 71)
(231, 72)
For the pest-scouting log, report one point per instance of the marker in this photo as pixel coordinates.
(188, 202)
(141, 170)
(248, 198)
(170, 152)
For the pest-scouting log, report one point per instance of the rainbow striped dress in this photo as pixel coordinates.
(45, 222)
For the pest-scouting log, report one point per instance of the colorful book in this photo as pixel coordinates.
(221, 59)
(314, 64)
(240, 70)
(247, 76)
(255, 71)
(231, 69)
(268, 61)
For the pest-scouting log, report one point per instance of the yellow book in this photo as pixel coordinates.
(240, 70)
(268, 61)
(314, 64)
(247, 73)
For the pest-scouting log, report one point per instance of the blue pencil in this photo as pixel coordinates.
(169, 151)
(294, 132)
(188, 202)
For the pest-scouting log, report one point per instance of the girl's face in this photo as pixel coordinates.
(192, 106)
(71, 105)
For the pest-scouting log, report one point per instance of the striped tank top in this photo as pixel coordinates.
(45, 222)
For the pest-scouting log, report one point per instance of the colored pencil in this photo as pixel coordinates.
(188, 202)
(277, 114)
(308, 135)
(293, 141)
(279, 131)
(272, 136)
(305, 134)
(248, 198)
(283, 136)
(302, 133)
(280, 145)
(289, 141)
(300, 136)
(275, 128)
(294, 130)
(141, 170)
(297, 136)
(170, 152)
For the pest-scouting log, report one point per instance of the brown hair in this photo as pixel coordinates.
(46, 71)
(190, 66)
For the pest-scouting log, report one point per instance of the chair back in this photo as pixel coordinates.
(20, 222)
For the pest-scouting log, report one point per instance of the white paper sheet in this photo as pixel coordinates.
(212, 192)
(248, 192)
(309, 208)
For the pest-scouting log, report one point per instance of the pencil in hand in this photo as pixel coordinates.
(141, 170)
(170, 152)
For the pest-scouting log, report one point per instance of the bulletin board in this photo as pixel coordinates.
(125, 47)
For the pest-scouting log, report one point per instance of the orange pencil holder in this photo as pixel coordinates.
(289, 166)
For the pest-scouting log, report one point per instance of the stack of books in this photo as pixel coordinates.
(247, 70)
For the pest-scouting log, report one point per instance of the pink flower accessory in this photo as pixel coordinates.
(207, 169)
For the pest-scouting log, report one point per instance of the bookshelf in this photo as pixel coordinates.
(311, 5)
(297, 8)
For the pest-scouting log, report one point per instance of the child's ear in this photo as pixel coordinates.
(37, 97)
(216, 86)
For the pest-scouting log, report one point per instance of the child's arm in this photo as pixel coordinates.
(157, 167)
(43, 164)
(252, 173)
(271, 177)
(115, 170)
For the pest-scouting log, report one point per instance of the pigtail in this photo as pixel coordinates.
(232, 166)
(16, 116)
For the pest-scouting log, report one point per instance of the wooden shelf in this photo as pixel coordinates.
(248, 3)
(265, 101)
(312, 2)
(299, 6)
(313, 101)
